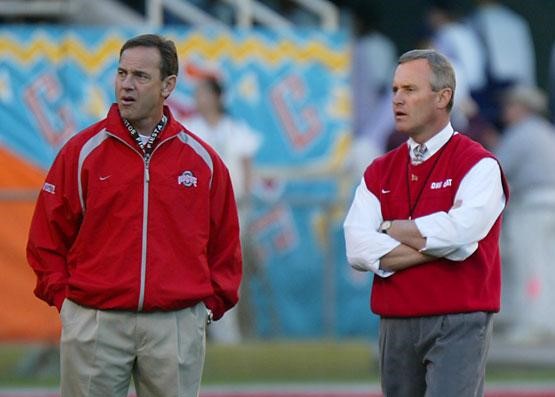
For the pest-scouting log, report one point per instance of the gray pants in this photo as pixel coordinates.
(438, 356)
(101, 350)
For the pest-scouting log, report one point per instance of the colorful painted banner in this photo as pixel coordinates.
(292, 88)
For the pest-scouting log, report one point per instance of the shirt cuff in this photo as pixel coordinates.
(383, 273)
(428, 228)
(374, 268)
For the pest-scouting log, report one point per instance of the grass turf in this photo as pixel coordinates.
(256, 362)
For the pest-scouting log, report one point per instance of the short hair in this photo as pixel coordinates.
(215, 86)
(169, 64)
(531, 97)
(443, 74)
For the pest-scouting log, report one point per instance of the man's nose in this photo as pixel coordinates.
(127, 82)
(397, 98)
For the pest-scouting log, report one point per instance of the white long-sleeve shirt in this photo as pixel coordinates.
(453, 235)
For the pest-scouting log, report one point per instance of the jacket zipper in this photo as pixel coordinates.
(144, 236)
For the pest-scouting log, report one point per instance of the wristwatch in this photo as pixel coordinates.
(385, 226)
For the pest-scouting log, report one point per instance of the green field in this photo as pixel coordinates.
(257, 362)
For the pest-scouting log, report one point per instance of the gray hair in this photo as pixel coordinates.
(532, 98)
(443, 74)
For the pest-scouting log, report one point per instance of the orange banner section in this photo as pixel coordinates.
(16, 173)
(23, 317)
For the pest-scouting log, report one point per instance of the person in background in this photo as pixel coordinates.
(463, 48)
(135, 240)
(551, 83)
(373, 63)
(237, 144)
(507, 42)
(426, 220)
(526, 151)
(509, 52)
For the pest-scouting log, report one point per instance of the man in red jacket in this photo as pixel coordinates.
(426, 219)
(135, 240)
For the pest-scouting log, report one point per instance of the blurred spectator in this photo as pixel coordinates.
(509, 52)
(233, 139)
(464, 48)
(551, 83)
(507, 41)
(237, 144)
(460, 44)
(374, 58)
(526, 152)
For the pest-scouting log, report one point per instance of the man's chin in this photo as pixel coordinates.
(402, 128)
(125, 112)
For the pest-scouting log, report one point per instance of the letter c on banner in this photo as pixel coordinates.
(41, 96)
(300, 122)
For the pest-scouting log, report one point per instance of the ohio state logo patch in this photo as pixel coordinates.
(187, 179)
(49, 188)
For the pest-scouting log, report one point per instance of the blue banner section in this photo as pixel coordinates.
(291, 88)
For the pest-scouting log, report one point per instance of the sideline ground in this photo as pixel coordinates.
(313, 390)
(325, 368)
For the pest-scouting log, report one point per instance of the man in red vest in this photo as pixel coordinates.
(426, 219)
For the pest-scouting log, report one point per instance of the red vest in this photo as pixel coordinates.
(442, 286)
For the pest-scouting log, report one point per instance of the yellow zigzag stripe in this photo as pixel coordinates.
(92, 60)
(68, 49)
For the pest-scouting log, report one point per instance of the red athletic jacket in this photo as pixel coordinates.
(112, 231)
(442, 286)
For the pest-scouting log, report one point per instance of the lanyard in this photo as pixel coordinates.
(146, 148)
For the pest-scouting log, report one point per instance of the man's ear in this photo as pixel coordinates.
(444, 97)
(168, 85)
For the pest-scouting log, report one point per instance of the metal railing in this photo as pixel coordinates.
(248, 12)
(181, 9)
(327, 11)
(36, 8)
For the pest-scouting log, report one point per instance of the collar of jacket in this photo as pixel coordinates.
(115, 126)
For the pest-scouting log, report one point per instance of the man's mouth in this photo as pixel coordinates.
(399, 114)
(127, 100)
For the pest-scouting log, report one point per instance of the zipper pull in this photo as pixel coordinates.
(147, 171)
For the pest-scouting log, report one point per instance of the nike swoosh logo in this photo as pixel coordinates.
(384, 191)
(103, 178)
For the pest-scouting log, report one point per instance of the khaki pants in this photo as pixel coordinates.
(101, 350)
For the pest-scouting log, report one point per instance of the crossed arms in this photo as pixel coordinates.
(453, 235)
